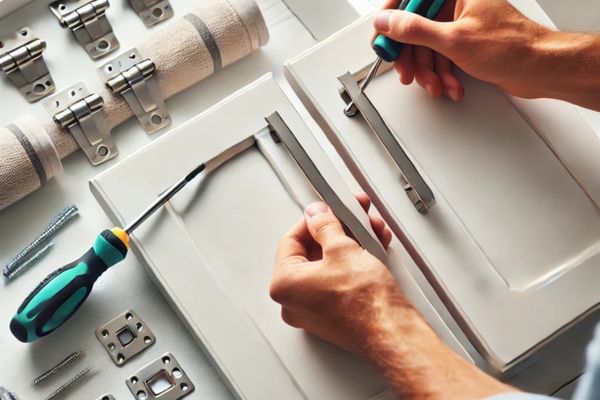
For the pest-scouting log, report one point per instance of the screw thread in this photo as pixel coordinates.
(28, 263)
(53, 226)
(69, 384)
(58, 367)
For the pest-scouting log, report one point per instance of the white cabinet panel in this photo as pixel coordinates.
(212, 249)
(513, 243)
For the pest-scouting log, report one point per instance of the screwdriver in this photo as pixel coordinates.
(389, 50)
(61, 294)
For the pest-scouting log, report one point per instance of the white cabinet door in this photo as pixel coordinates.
(211, 249)
(513, 243)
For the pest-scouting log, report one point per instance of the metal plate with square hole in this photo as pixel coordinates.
(125, 336)
(162, 379)
(106, 397)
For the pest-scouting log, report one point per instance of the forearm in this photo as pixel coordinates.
(420, 366)
(567, 67)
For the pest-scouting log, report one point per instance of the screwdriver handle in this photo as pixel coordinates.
(61, 294)
(389, 49)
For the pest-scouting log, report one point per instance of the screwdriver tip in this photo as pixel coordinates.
(195, 172)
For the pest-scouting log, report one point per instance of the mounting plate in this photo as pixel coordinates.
(162, 379)
(125, 337)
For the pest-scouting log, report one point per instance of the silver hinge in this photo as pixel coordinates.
(152, 11)
(22, 60)
(80, 111)
(89, 24)
(135, 79)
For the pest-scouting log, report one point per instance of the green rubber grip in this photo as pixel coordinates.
(61, 294)
(389, 49)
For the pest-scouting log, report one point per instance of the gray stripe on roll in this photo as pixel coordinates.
(27, 146)
(208, 39)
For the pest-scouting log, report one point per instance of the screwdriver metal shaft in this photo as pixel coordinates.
(351, 108)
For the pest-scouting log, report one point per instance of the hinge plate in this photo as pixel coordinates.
(162, 379)
(135, 79)
(22, 60)
(152, 11)
(88, 22)
(125, 337)
(91, 131)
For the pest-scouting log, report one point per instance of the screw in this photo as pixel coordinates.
(53, 226)
(58, 367)
(6, 395)
(29, 263)
(69, 384)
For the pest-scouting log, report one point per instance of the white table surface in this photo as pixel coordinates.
(127, 286)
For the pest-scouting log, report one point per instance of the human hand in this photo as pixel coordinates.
(489, 39)
(332, 288)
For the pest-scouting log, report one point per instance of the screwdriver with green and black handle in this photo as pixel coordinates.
(389, 50)
(61, 294)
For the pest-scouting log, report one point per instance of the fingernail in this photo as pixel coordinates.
(316, 209)
(453, 95)
(382, 21)
(429, 89)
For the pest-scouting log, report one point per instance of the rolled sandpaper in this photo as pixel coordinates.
(215, 35)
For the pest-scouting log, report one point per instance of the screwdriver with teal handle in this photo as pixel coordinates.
(61, 294)
(389, 50)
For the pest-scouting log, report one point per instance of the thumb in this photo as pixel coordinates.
(411, 28)
(323, 225)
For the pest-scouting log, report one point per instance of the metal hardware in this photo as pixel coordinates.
(107, 397)
(125, 337)
(87, 20)
(30, 262)
(55, 224)
(351, 110)
(80, 111)
(64, 388)
(70, 359)
(7, 395)
(162, 379)
(22, 60)
(152, 11)
(414, 185)
(282, 132)
(135, 79)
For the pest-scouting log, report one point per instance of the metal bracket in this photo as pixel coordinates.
(152, 11)
(283, 133)
(135, 79)
(162, 379)
(22, 60)
(80, 111)
(415, 186)
(87, 19)
(125, 337)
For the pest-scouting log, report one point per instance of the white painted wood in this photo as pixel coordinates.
(8, 6)
(128, 284)
(212, 251)
(513, 236)
(322, 18)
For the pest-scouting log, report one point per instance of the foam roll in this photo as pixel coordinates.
(187, 50)
(29, 159)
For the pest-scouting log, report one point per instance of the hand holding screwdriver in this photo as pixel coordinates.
(389, 50)
(61, 294)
